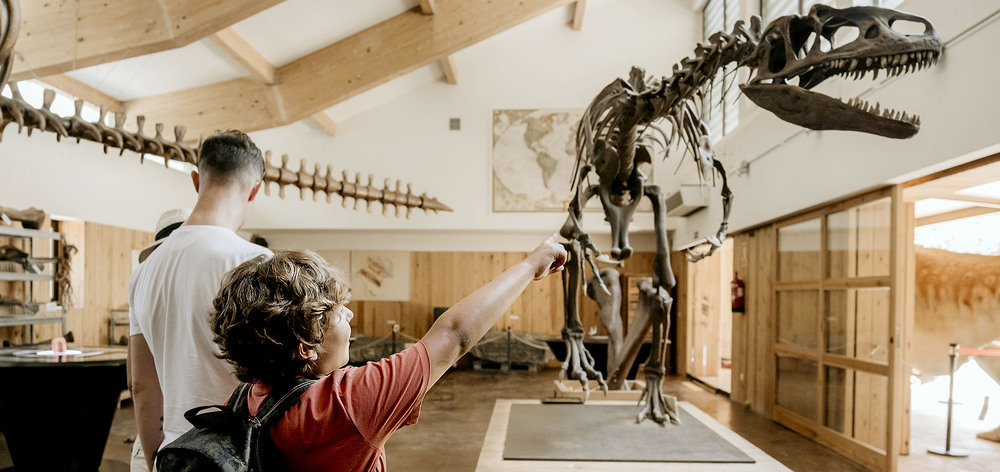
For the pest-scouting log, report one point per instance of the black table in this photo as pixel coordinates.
(597, 346)
(56, 412)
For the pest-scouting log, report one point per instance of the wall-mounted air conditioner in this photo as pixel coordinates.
(689, 199)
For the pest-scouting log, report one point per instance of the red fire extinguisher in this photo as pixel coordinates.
(738, 294)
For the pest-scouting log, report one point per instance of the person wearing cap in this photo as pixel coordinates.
(168, 222)
(173, 364)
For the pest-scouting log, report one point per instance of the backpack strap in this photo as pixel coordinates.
(280, 400)
(238, 400)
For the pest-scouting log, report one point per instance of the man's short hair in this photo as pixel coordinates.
(268, 305)
(230, 156)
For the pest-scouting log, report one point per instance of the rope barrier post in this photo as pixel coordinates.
(506, 366)
(395, 329)
(948, 451)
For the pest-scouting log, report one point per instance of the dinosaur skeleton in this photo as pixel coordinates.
(621, 130)
(17, 110)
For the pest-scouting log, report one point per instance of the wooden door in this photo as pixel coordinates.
(837, 323)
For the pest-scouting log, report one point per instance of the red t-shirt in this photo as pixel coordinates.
(343, 420)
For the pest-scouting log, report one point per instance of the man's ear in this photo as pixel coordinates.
(307, 354)
(194, 179)
(254, 190)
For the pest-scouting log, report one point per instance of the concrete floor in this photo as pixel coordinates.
(456, 413)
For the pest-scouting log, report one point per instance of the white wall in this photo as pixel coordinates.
(794, 169)
(80, 181)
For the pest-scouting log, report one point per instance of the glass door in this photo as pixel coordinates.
(834, 327)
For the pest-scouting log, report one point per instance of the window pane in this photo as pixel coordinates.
(807, 4)
(776, 8)
(858, 241)
(837, 399)
(799, 251)
(856, 404)
(719, 109)
(797, 318)
(796, 385)
(857, 323)
(730, 99)
(871, 404)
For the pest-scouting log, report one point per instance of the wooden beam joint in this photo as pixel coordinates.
(428, 7)
(578, 9)
(325, 123)
(450, 71)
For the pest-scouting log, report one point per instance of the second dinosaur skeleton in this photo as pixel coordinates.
(15, 110)
(620, 131)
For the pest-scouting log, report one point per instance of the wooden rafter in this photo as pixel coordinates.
(341, 70)
(578, 10)
(237, 48)
(982, 201)
(450, 72)
(60, 36)
(81, 90)
(955, 215)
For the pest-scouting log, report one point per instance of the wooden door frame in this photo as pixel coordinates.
(901, 221)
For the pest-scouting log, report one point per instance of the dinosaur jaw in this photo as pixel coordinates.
(819, 112)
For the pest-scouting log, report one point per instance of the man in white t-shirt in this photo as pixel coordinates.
(172, 359)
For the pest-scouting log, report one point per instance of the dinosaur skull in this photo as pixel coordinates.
(806, 48)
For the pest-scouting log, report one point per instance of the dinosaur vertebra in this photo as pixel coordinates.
(619, 129)
(17, 110)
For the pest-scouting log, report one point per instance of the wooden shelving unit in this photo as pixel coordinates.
(49, 311)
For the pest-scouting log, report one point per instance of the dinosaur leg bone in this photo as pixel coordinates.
(654, 404)
(579, 364)
(610, 303)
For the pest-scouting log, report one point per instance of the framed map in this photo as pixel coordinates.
(534, 153)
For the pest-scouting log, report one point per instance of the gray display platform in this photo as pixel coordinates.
(610, 433)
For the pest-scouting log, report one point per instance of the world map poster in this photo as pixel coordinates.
(534, 153)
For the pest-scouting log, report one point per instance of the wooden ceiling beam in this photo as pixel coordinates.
(450, 71)
(59, 36)
(241, 51)
(578, 10)
(955, 215)
(983, 201)
(341, 70)
(81, 90)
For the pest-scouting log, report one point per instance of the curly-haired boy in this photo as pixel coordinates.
(283, 316)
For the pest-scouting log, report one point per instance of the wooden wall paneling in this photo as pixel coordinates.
(724, 292)
(441, 279)
(763, 321)
(740, 349)
(107, 268)
(75, 233)
(683, 300)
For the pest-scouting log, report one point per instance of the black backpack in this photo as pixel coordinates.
(230, 440)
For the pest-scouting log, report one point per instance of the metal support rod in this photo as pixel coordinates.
(952, 365)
